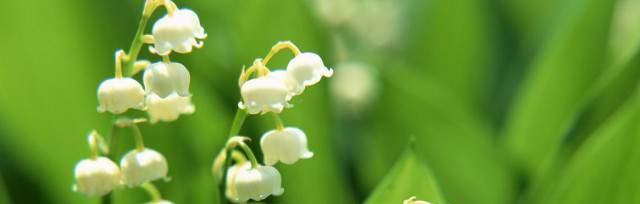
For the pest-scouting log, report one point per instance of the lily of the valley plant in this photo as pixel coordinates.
(267, 92)
(165, 96)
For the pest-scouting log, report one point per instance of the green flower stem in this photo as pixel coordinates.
(278, 121)
(136, 45)
(138, 135)
(249, 153)
(238, 120)
(236, 125)
(153, 191)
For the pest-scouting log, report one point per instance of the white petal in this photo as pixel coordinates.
(117, 95)
(307, 68)
(164, 79)
(177, 32)
(264, 94)
(169, 108)
(96, 177)
(287, 145)
(255, 183)
(139, 167)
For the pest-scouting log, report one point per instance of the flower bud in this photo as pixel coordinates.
(169, 108)
(117, 95)
(264, 94)
(96, 177)
(244, 182)
(290, 82)
(178, 32)
(287, 145)
(307, 68)
(164, 79)
(139, 167)
(414, 200)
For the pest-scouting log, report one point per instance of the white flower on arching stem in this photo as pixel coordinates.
(307, 68)
(264, 94)
(117, 95)
(244, 182)
(139, 167)
(414, 200)
(178, 32)
(96, 177)
(164, 79)
(291, 83)
(169, 108)
(286, 145)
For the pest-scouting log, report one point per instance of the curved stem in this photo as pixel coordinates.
(138, 41)
(138, 135)
(153, 191)
(279, 46)
(278, 121)
(249, 153)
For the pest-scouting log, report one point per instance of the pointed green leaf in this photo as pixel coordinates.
(408, 177)
(604, 170)
(557, 84)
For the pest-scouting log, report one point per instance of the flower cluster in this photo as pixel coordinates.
(165, 96)
(266, 91)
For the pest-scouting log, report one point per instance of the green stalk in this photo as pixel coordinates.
(236, 125)
(136, 44)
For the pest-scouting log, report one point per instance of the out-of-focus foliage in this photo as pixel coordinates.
(508, 101)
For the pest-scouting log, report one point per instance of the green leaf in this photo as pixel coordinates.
(408, 177)
(557, 84)
(604, 169)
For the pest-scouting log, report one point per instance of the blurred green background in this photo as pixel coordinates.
(507, 101)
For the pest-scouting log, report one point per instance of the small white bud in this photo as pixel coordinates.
(139, 167)
(414, 200)
(244, 182)
(117, 95)
(264, 94)
(290, 82)
(164, 79)
(96, 177)
(177, 32)
(307, 68)
(287, 145)
(169, 108)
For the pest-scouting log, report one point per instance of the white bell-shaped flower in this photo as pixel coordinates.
(264, 94)
(139, 167)
(178, 32)
(169, 108)
(292, 85)
(286, 145)
(96, 177)
(307, 68)
(244, 182)
(117, 95)
(164, 79)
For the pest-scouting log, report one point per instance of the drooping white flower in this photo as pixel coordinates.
(117, 95)
(244, 182)
(354, 87)
(164, 79)
(96, 177)
(414, 200)
(264, 94)
(169, 108)
(139, 167)
(286, 145)
(307, 68)
(178, 32)
(291, 83)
